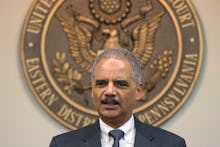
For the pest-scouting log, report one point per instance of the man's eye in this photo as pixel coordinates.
(121, 84)
(101, 83)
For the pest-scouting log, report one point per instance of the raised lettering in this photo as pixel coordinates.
(183, 13)
(37, 17)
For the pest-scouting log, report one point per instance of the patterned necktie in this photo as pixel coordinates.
(117, 135)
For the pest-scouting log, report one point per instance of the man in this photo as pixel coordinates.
(116, 85)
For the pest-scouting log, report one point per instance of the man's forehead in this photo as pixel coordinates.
(113, 69)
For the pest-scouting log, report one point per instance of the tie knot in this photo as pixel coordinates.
(116, 134)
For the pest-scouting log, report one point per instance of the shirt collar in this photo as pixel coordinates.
(127, 128)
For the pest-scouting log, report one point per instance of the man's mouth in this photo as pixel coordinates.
(110, 100)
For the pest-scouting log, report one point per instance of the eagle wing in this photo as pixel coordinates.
(143, 36)
(79, 38)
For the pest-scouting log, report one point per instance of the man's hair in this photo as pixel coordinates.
(120, 54)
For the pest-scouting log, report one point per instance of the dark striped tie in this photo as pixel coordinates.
(117, 135)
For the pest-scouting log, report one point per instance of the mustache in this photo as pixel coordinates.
(110, 100)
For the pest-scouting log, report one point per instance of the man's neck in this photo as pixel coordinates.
(115, 123)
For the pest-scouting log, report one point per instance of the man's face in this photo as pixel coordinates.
(112, 80)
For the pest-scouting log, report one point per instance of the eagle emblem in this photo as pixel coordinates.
(88, 37)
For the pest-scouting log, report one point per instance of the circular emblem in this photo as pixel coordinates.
(60, 40)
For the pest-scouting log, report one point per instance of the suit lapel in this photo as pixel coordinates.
(91, 136)
(93, 141)
(142, 141)
(143, 137)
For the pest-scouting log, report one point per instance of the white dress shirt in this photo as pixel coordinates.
(126, 141)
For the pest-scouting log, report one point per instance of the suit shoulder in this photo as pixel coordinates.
(158, 134)
(75, 135)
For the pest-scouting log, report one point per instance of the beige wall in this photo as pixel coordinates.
(25, 124)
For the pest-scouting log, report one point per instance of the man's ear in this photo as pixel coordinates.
(139, 91)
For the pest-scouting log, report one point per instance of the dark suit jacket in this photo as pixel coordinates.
(146, 136)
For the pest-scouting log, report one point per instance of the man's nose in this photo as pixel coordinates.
(110, 90)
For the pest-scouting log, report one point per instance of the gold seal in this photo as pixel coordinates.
(60, 40)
